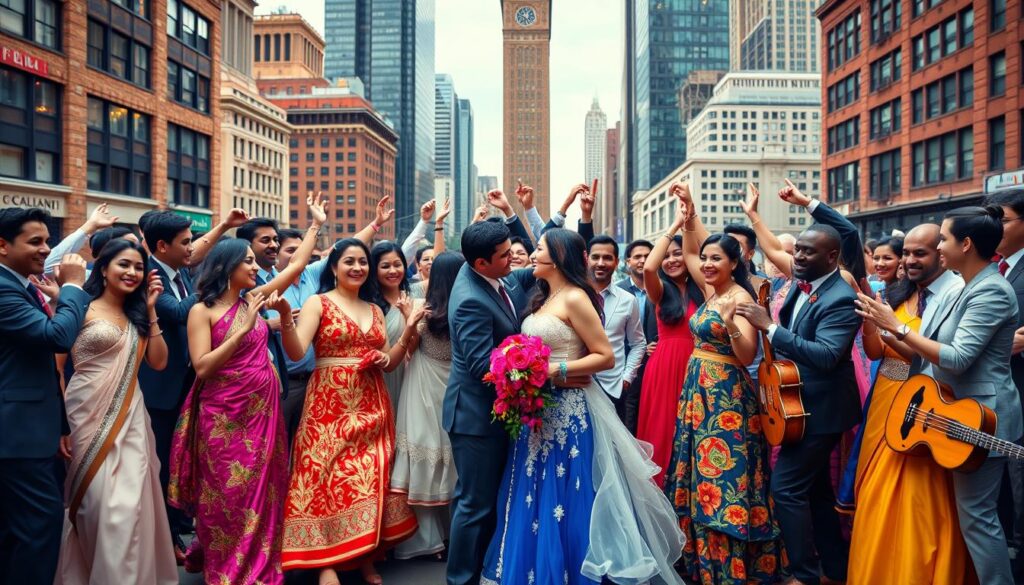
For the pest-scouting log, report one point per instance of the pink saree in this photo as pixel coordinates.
(229, 465)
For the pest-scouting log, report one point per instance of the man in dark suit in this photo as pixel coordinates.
(169, 238)
(31, 405)
(816, 329)
(1011, 251)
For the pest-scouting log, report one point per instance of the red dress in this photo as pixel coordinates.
(662, 386)
(340, 506)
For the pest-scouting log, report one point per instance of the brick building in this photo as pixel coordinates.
(921, 105)
(340, 145)
(105, 102)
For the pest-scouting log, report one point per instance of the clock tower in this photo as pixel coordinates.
(526, 26)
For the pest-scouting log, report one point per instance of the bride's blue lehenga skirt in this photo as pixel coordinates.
(545, 501)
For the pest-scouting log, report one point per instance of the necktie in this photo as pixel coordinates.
(804, 286)
(35, 292)
(922, 301)
(1003, 266)
(179, 285)
(505, 297)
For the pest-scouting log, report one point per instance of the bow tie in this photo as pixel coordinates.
(804, 286)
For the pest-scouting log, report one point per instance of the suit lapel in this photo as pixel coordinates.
(786, 312)
(1016, 273)
(493, 294)
(947, 310)
(14, 281)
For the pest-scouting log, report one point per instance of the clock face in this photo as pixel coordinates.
(526, 16)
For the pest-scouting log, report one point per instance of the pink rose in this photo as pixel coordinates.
(517, 358)
(499, 365)
(500, 407)
(538, 403)
(538, 377)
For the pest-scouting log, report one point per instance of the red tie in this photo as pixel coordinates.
(505, 297)
(1003, 266)
(42, 300)
(804, 286)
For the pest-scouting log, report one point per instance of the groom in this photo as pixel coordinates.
(483, 311)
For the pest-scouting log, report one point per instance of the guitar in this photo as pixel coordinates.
(779, 385)
(925, 418)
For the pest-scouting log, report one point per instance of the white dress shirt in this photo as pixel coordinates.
(937, 290)
(171, 275)
(623, 326)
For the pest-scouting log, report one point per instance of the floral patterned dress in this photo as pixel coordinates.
(718, 478)
(340, 507)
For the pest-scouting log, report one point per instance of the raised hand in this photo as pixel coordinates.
(446, 209)
(404, 305)
(525, 194)
(790, 194)
(587, 201)
(384, 213)
(481, 214)
(276, 302)
(99, 220)
(46, 285)
(497, 198)
(750, 205)
(317, 206)
(235, 218)
(71, 270)
(427, 210)
(575, 192)
(154, 287)
(418, 315)
(681, 191)
(255, 302)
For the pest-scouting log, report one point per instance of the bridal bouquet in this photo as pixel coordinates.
(519, 372)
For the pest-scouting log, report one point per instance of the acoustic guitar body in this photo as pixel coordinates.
(923, 420)
(782, 408)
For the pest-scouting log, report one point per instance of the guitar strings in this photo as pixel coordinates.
(948, 426)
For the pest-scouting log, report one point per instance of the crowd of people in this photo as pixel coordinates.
(319, 411)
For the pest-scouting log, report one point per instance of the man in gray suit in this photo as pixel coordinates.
(1011, 251)
(968, 343)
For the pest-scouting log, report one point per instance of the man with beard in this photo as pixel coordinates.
(923, 269)
(622, 324)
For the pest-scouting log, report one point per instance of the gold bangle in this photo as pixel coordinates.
(755, 222)
(158, 333)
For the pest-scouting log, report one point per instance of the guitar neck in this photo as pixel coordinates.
(986, 441)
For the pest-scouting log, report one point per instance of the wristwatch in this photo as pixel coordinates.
(902, 332)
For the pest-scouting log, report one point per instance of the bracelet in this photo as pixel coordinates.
(439, 229)
(154, 321)
(735, 334)
(757, 221)
(287, 326)
(402, 343)
(563, 370)
(375, 227)
(158, 333)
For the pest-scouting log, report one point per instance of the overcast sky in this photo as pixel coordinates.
(586, 61)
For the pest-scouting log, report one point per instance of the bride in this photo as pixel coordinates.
(577, 504)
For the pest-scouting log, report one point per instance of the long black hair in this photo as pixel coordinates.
(443, 271)
(328, 281)
(731, 247)
(673, 301)
(135, 303)
(376, 290)
(219, 264)
(568, 252)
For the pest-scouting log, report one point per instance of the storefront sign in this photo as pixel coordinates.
(200, 222)
(22, 60)
(55, 205)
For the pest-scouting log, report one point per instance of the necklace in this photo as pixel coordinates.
(549, 299)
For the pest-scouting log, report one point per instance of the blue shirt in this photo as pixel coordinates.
(297, 295)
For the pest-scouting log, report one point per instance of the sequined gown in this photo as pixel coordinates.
(577, 504)
(340, 508)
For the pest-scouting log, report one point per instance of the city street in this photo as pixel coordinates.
(393, 573)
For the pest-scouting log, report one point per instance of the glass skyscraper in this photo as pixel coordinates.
(666, 39)
(465, 179)
(389, 45)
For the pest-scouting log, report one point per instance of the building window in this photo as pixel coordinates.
(885, 175)
(967, 27)
(118, 149)
(997, 143)
(943, 96)
(844, 41)
(885, 119)
(119, 55)
(844, 135)
(943, 159)
(997, 74)
(187, 26)
(30, 135)
(886, 71)
(844, 92)
(190, 88)
(942, 40)
(188, 167)
(997, 20)
(843, 183)
(885, 18)
(35, 20)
